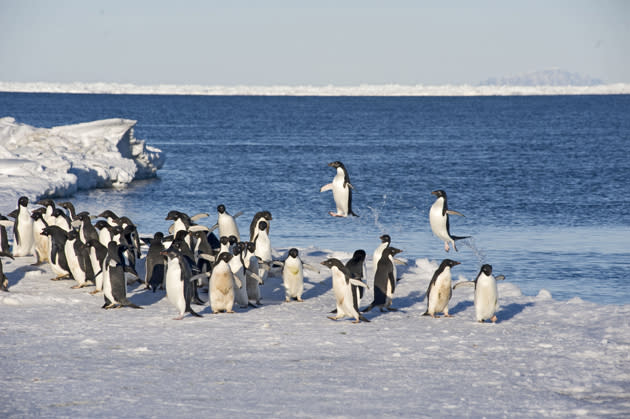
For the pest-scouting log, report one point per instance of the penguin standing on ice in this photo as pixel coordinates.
(384, 281)
(115, 284)
(252, 281)
(57, 255)
(238, 274)
(227, 224)
(179, 286)
(263, 250)
(486, 294)
(356, 266)
(342, 191)
(347, 300)
(4, 281)
(78, 260)
(222, 285)
(438, 218)
(23, 229)
(293, 276)
(155, 263)
(439, 291)
(41, 242)
(97, 253)
(378, 252)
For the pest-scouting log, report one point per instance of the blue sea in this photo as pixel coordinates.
(543, 181)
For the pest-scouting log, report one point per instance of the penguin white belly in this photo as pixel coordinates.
(341, 194)
(238, 278)
(227, 226)
(25, 226)
(175, 286)
(263, 248)
(486, 298)
(98, 277)
(104, 237)
(293, 278)
(73, 263)
(438, 221)
(252, 284)
(40, 242)
(441, 293)
(107, 286)
(221, 289)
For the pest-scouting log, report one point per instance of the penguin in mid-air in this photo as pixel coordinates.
(23, 229)
(342, 191)
(486, 293)
(4, 281)
(439, 291)
(179, 283)
(384, 281)
(347, 300)
(438, 218)
(115, 284)
(227, 223)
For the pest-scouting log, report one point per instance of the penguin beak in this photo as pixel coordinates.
(434, 193)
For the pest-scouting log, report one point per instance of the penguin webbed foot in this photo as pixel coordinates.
(392, 309)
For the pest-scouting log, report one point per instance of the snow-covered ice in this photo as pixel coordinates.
(62, 355)
(38, 162)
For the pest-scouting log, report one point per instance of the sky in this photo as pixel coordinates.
(309, 42)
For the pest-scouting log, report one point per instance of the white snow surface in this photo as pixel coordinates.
(62, 355)
(48, 162)
(310, 90)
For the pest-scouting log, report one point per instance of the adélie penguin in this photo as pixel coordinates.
(222, 285)
(384, 281)
(115, 284)
(439, 291)
(293, 276)
(253, 227)
(486, 293)
(179, 282)
(439, 220)
(356, 266)
(155, 263)
(342, 191)
(78, 259)
(227, 223)
(238, 275)
(57, 255)
(23, 229)
(4, 238)
(346, 299)
(97, 253)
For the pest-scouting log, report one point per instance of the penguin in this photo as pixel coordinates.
(221, 285)
(110, 216)
(252, 279)
(155, 263)
(71, 212)
(179, 243)
(342, 191)
(97, 253)
(356, 266)
(202, 251)
(179, 286)
(4, 237)
(78, 260)
(115, 284)
(384, 281)
(57, 254)
(293, 276)
(486, 294)
(227, 224)
(104, 231)
(87, 231)
(439, 291)
(263, 250)
(4, 281)
(253, 227)
(238, 275)
(376, 256)
(438, 218)
(49, 206)
(41, 241)
(347, 300)
(61, 219)
(23, 230)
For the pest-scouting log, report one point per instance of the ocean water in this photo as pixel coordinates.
(543, 181)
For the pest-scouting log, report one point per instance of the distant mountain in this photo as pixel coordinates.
(551, 77)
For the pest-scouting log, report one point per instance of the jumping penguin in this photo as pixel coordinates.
(439, 220)
(342, 191)
(439, 291)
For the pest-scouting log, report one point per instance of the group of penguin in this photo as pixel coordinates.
(191, 257)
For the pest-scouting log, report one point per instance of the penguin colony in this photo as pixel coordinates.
(191, 259)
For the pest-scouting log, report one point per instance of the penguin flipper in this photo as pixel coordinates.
(193, 312)
(368, 308)
(453, 212)
(499, 277)
(464, 284)
(326, 187)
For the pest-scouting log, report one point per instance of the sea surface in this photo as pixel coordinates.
(543, 181)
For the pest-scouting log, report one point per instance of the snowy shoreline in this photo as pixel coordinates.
(310, 90)
(55, 162)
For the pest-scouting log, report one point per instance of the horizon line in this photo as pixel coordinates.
(363, 89)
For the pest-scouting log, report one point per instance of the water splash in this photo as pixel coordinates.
(479, 253)
(376, 212)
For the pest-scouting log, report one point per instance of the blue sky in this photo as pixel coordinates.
(309, 42)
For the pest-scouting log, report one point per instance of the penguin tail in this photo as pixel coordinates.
(130, 304)
(363, 318)
(353, 214)
(194, 313)
(460, 237)
(426, 313)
